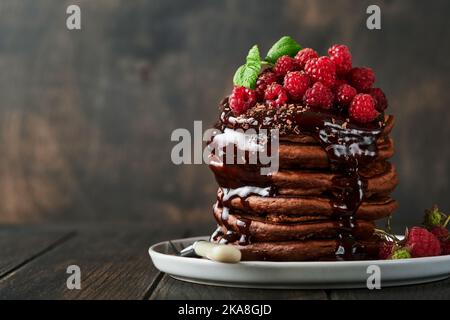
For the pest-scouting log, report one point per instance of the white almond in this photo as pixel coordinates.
(225, 253)
(202, 248)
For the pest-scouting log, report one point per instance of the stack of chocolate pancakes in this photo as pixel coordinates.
(334, 181)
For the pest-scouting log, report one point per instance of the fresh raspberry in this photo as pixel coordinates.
(321, 70)
(445, 247)
(441, 233)
(296, 83)
(318, 96)
(361, 79)
(338, 83)
(285, 64)
(345, 94)
(275, 95)
(422, 243)
(342, 58)
(304, 55)
(265, 79)
(379, 97)
(362, 109)
(386, 250)
(241, 99)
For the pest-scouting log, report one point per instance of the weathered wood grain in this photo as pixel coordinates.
(20, 245)
(86, 116)
(169, 288)
(114, 264)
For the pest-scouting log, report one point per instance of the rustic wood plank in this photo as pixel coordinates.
(86, 123)
(20, 245)
(114, 265)
(169, 288)
(434, 290)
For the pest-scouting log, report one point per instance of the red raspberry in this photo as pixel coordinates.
(338, 83)
(361, 79)
(345, 94)
(362, 109)
(379, 97)
(304, 55)
(386, 249)
(422, 243)
(342, 58)
(318, 96)
(441, 233)
(265, 79)
(241, 99)
(296, 83)
(275, 95)
(285, 64)
(445, 247)
(321, 70)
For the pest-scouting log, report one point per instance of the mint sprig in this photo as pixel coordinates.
(285, 46)
(247, 74)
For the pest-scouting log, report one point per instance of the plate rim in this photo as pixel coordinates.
(380, 263)
(417, 271)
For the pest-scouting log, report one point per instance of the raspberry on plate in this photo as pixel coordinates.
(285, 64)
(440, 232)
(241, 99)
(379, 97)
(264, 80)
(445, 247)
(362, 109)
(422, 243)
(318, 96)
(345, 94)
(342, 58)
(304, 55)
(361, 79)
(296, 83)
(321, 70)
(275, 95)
(386, 249)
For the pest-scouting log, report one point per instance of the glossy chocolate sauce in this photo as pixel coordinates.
(349, 147)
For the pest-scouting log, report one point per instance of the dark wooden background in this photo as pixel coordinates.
(86, 116)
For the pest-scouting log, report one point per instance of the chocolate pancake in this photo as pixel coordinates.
(303, 250)
(380, 176)
(314, 156)
(259, 230)
(307, 206)
(334, 181)
(308, 139)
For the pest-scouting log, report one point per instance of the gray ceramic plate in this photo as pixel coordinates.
(282, 275)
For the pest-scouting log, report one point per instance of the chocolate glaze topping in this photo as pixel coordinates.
(349, 147)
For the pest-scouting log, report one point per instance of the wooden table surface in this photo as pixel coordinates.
(115, 264)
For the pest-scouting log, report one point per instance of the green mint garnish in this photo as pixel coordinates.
(247, 74)
(285, 46)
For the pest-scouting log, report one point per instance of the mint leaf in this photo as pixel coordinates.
(285, 46)
(247, 74)
(253, 57)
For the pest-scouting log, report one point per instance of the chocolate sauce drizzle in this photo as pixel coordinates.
(349, 147)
